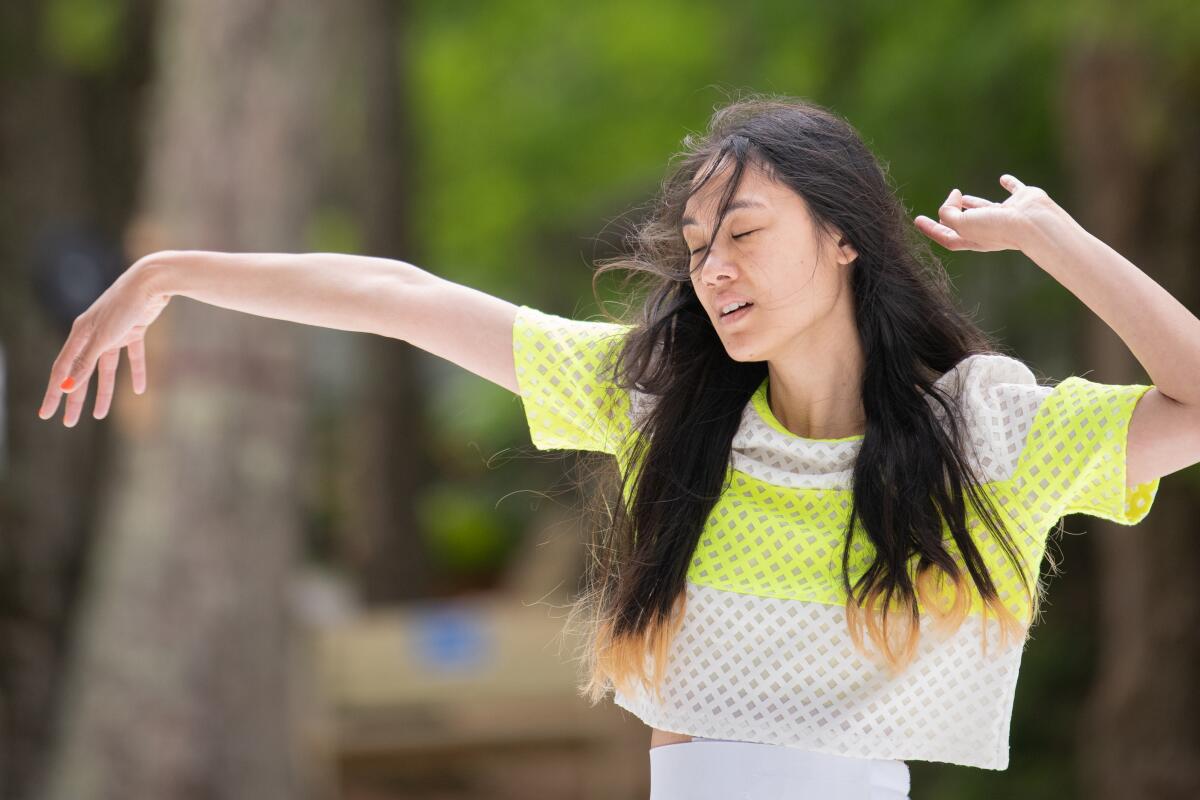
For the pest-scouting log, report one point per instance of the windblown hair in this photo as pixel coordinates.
(910, 474)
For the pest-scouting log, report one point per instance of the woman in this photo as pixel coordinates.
(835, 490)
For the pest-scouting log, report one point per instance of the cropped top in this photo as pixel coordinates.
(764, 654)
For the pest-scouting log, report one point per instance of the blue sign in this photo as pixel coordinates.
(451, 638)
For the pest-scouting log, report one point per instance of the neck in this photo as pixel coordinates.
(816, 392)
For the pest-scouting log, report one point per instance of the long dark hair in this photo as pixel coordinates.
(910, 474)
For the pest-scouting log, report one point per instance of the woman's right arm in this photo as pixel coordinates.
(332, 290)
(351, 293)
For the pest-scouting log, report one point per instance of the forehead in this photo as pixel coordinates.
(743, 200)
(755, 190)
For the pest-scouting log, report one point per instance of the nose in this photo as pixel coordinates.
(717, 266)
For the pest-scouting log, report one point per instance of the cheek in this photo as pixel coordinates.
(800, 309)
(823, 282)
(797, 289)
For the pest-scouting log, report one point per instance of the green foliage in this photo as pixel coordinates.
(471, 407)
(539, 120)
(332, 229)
(83, 35)
(541, 125)
(463, 533)
(537, 125)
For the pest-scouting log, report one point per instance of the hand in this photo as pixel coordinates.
(972, 223)
(118, 318)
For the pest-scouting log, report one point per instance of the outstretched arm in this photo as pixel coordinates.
(1164, 433)
(332, 290)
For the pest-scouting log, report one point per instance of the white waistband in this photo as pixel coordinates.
(708, 769)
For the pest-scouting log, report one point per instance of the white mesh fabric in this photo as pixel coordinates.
(754, 667)
(764, 669)
(764, 654)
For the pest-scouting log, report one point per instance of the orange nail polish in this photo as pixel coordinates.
(68, 384)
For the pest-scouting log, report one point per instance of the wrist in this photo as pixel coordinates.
(1043, 228)
(157, 274)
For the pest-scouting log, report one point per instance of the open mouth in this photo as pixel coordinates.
(738, 313)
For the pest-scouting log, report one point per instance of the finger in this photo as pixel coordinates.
(1010, 182)
(50, 401)
(75, 401)
(943, 235)
(61, 380)
(971, 201)
(950, 215)
(105, 380)
(951, 207)
(81, 374)
(136, 352)
(68, 368)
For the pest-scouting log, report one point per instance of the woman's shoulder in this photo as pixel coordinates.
(999, 397)
(986, 382)
(987, 370)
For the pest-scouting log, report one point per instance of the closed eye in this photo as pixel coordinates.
(736, 236)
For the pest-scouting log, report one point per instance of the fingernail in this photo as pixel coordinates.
(68, 384)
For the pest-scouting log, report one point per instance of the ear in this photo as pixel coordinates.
(846, 251)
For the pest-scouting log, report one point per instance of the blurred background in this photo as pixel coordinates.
(316, 564)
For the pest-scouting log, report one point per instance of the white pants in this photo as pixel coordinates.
(723, 769)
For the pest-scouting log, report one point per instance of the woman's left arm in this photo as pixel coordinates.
(1164, 336)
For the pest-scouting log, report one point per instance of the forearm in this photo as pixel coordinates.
(329, 290)
(1160, 331)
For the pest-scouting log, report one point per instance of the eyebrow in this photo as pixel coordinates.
(689, 221)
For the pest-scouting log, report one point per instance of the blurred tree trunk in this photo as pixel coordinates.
(69, 161)
(389, 460)
(181, 685)
(1131, 128)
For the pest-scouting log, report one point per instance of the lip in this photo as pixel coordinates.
(736, 316)
(722, 300)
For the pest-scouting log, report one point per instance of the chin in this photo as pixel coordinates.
(743, 354)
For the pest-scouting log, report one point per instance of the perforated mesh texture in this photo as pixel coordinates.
(764, 654)
(785, 672)
(569, 401)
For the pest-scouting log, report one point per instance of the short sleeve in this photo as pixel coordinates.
(1075, 457)
(565, 375)
(999, 397)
